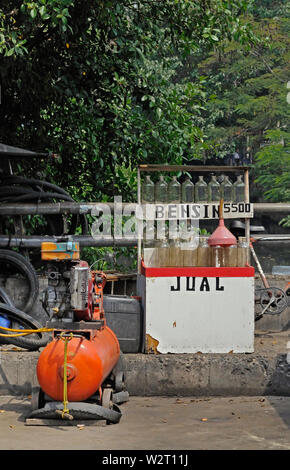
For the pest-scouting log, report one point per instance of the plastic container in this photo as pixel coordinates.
(213, 190)
(187, 191)
(124, 317)
(5, 322)
(201, 190)
(161, 191)
(174, 191)
(239, 190)
(147, 193)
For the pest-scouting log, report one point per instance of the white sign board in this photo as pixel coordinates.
(231, 210)
(199, 314)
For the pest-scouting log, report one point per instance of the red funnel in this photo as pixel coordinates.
(222, 236)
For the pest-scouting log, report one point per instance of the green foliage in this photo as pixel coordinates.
(105, 84)
(273, 168)
(110, 84)
(250, 83)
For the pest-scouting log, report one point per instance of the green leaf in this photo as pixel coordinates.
(33, 13)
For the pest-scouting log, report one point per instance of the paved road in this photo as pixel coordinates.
(159, 423)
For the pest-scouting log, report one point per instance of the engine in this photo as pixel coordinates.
(73, 292)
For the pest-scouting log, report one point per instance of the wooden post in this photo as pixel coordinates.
(247, 221)
(139, 223)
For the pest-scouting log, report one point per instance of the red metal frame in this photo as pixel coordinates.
(248, 271)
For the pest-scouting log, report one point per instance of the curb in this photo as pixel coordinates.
(197, 374)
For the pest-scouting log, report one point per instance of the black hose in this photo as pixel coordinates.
(36, 195)
(31, 181)
(22, 194)
(26, 268)
(32, 341)
(4, 298)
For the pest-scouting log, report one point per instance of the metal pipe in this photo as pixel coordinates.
(86, 207)
(84, 240)
(32, 241)
(50, 208)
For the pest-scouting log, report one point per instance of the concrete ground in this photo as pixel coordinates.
(159, 423)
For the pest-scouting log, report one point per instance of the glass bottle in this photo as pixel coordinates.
(242, 251)
(175, 252)
(174, 191)
(203, 252)
(239, 190)
(231, 256)
(201, 190)
(227, 190)
(150, 257)
(163, 253)
(213, 190)
(187, 191)
(147, 191)
(161, 189)
(189, 250)
(217, 256)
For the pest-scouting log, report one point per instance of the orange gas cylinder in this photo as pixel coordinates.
(89, 362)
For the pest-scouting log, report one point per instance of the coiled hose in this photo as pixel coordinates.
(21, 189)
(20, 319)
(38, 336)
(23, 266)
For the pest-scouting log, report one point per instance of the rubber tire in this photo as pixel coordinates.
(107, 398)
(26, 342)
(37, 398)
(4, 298)
(119, 383)
(28, 270)
(120, 397)
(79, 410)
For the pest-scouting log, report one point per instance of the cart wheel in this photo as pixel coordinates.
(119, 382)
(37, 398)
(278, 300)
(107, 398)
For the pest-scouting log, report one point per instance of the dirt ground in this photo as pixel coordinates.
(159, 423)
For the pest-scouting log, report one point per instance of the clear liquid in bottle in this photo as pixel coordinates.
(189, 249)
(227, 190)
(231, 256)
(213, 190)
(243, 248)
(217, 256)
(175, 258)
(201, 190)
(161, 191)
(174, 191)
(239, 190)
(163, 253)
(147, 193)
(187, 191)
(203, 252)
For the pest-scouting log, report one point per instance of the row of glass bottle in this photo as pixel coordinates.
(187, 192)
(175, 253)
